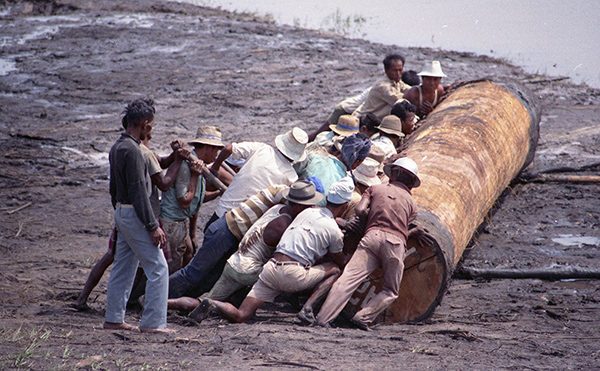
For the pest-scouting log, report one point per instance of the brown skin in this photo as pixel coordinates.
(332, 272)
(394, 72)
(408, 124)
(429, 86)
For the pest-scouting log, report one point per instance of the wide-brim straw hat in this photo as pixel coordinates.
(433, 69)
(210, 135)
(292, 144)
(406, 164)
(346, 125)
(391, 125)
(378, 154)
(302, 192)
(366, 172)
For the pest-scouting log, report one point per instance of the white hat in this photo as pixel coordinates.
(340, 192)
(433, 69)
(408, 165)
(292, 144)
(366, 172)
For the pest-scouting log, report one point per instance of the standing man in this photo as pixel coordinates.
(388, 209)
(386, 91)
(139, 235)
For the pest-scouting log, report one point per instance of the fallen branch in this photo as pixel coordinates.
(544, 274)
(541, 81)
(19, 208)
(557, 178)
(560, 169)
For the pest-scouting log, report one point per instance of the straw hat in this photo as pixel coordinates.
(292, 144)
(302, 192)
(346, 125)
(366, 172)
(391, 124)
(407, 164)
(433, 69)
(210, 135)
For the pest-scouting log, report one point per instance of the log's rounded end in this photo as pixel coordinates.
(427, 271)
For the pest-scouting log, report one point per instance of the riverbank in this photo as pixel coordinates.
(77, 63)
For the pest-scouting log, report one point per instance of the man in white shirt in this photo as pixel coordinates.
(312, 235)
(265, 166)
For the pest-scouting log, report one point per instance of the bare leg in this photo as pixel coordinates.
(92, 281)
(331, 275)
(246, 311)
(189, 252)
(184, 304)
(227, 310)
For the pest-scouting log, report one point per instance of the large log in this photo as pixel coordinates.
(468, 150)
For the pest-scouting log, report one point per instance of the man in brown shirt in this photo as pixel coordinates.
(388, 209)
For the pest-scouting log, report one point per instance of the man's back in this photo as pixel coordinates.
(312, 234)
(266, 166)
(392, 208)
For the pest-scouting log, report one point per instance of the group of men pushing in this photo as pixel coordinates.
(279, 226)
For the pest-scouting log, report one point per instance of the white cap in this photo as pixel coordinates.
(408, 165)
(340, 192)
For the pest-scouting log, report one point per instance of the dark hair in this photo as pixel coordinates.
(400, 109)
(137, 112)
(370, 121)
(387, 61)
(411, 77)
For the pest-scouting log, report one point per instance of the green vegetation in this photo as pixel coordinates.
(347, 26)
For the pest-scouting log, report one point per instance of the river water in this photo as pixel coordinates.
(550, 37)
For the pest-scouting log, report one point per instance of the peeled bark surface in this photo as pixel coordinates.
(468, 150)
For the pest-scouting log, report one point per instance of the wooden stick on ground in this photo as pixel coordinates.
(558, 178)
(19, 208)
(545, 274)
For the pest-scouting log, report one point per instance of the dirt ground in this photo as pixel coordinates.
(68, 68)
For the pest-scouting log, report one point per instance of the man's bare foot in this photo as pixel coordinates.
(203, 310)
(163, 330)
(306, 315)
(361, 325)
(80, 307)
(120, 326)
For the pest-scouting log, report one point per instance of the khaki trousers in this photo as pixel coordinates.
(376, 249)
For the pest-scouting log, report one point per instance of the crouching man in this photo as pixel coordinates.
(388, 209)
(312, 235)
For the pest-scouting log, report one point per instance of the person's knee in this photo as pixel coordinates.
(333, 270)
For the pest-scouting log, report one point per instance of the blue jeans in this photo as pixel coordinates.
(135, 246)
(207, 265)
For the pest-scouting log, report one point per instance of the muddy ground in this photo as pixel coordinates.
(68, 68)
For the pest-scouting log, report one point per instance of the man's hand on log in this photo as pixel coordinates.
(422, 236)
(355, 225)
